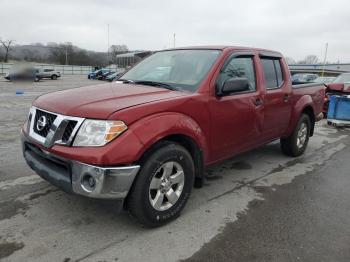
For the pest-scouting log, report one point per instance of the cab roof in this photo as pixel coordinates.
(226, 47)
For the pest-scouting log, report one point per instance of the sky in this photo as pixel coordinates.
(296, 28)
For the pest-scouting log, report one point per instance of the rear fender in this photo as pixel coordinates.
(300, 106)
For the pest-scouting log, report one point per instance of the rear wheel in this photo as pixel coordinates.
(162, 186)
(53, 77)
(296, 144)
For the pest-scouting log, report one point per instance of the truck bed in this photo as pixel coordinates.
(304, 85)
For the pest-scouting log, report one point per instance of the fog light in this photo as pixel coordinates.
(92, 182)
(88, 183)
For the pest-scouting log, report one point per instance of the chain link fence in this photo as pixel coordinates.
(63, 69)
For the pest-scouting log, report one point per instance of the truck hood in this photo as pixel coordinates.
(100, 101)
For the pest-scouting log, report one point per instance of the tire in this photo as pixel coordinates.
(296, 144)
(36, 79)
(148, 200)
(53, 77)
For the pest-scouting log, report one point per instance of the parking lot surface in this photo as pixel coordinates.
(249, 208)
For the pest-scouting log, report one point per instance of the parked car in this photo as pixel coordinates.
(95, 74)
(104, 75)
(23, 74)
(340, 86)
(304, 78)
(324, 79)
(114, 76)
(146, 140)
(48, 73)
(343, 78)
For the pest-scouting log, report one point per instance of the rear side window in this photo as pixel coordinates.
(278, 72)
(272, 72)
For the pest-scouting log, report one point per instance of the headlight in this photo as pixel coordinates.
(98, 132)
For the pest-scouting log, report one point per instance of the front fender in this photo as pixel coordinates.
(153, 128)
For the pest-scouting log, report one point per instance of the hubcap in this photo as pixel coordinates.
(166, 186)
(302, 135)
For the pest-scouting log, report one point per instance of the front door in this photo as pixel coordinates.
(236, 117)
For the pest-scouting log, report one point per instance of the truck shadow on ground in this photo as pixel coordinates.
(75, 211)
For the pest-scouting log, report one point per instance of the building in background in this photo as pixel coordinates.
(329, 69)
(129, 59)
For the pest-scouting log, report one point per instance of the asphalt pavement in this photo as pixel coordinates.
(306, 220)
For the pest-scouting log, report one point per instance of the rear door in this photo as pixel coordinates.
(277, 101)
(236, 117)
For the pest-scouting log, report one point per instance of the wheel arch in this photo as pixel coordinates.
(303, 106)
(189, 144)
(309, 111)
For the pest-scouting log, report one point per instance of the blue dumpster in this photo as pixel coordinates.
(339, 110)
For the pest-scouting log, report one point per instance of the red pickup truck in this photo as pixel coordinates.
(145, 140)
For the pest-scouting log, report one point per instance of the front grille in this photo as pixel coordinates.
(69, 130)
(50, 118)
(42, 123)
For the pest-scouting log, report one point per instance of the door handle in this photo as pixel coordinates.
(258, 102)
(286, 98)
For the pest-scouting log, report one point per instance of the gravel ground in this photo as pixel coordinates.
(41, 223)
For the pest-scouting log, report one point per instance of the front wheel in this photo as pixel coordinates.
(162, 186)
(296, 144)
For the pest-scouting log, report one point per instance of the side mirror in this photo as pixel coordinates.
(234, 85)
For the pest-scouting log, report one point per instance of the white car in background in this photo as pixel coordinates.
(48, 73)
(325, 79)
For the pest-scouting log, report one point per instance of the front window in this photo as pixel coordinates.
(343, 78)
(177, 69)
(239, 67)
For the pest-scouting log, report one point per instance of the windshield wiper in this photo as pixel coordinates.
(150, 83)
(154, 83)
(126, 81)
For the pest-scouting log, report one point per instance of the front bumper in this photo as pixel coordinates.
(79, 178)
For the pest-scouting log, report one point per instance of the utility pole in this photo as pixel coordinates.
(174, 39)
(325, 58)
(108, 45)
(66, 54)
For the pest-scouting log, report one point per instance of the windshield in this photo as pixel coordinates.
(343, 78)
(179, 69)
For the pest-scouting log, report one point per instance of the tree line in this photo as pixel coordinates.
(68, 54)
(58, 53)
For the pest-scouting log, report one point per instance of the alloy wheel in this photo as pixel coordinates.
(166, 186)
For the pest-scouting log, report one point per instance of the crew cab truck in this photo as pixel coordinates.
(146, 139)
